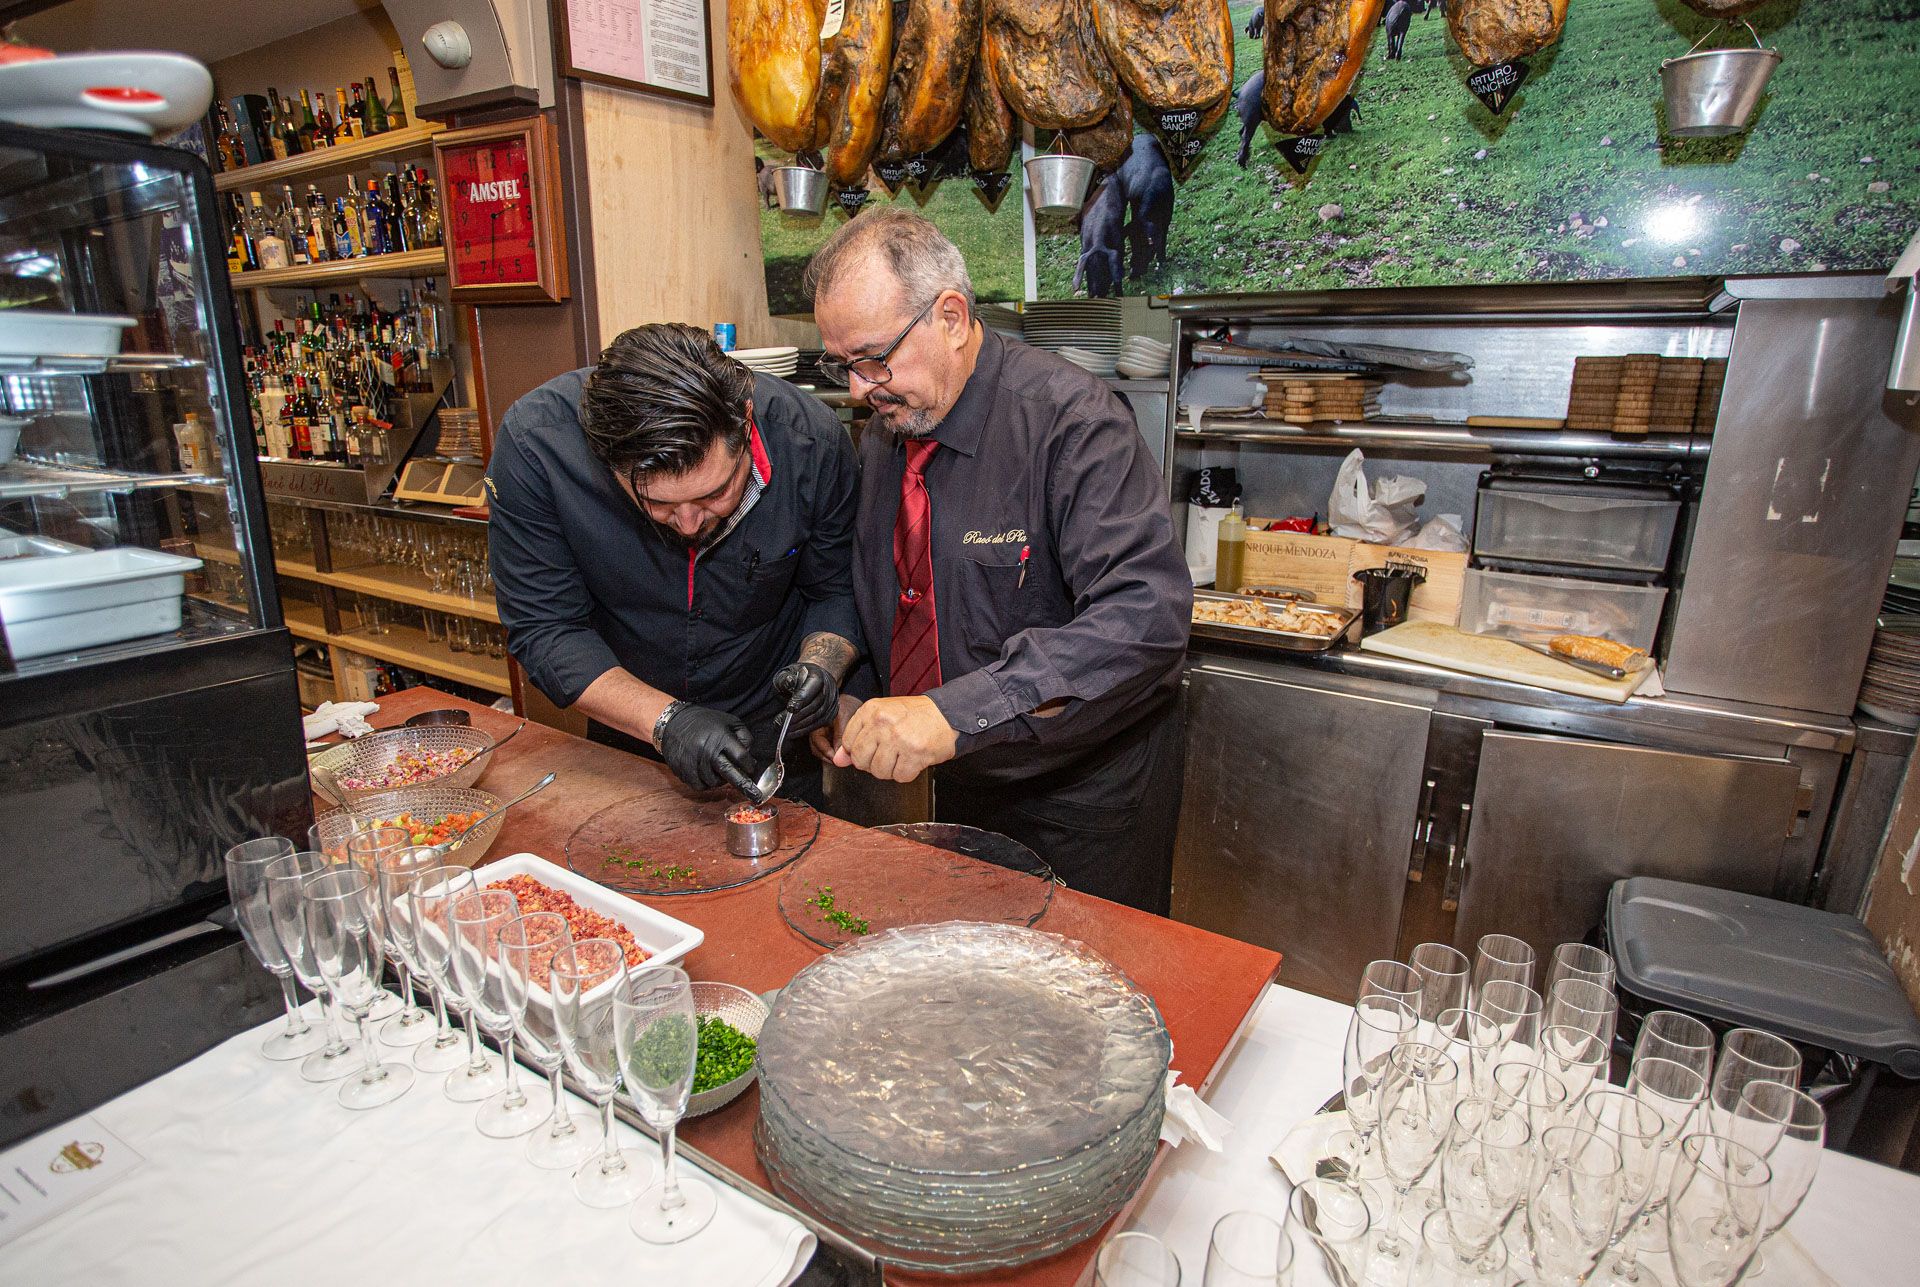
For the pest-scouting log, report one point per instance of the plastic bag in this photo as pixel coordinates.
(1382, 514)
(1438, 533)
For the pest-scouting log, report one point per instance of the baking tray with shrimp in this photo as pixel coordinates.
(1274, 620)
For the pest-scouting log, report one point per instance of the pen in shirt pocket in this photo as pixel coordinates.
(1026, 552)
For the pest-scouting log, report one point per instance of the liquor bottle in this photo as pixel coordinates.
(343, 233)
(359, 110)
(290, 127)
(239, 246)
(227, 138)
(277, 135)
(400, 230)
(319, 227)
(309, 128)
(293, 226)
(373, 220)
(376, 110)
(396, 110)
(345, 127)
(324, 129)
(429, 207)
(302, 417)
(269, 247)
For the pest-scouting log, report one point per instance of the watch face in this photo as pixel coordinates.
(490, 199)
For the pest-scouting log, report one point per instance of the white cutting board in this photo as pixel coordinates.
(1497, 658)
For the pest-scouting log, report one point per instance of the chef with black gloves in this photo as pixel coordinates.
(672, 545)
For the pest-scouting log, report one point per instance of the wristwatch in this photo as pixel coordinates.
(660, 725)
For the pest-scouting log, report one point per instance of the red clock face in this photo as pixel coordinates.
(490, 203)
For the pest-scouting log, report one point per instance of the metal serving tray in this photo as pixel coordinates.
(1286, 639)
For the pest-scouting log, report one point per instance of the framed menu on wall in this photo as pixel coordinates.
(655, 46)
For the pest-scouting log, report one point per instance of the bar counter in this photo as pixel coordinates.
(1206, 985)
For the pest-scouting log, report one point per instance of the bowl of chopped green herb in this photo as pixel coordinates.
(727, 1062)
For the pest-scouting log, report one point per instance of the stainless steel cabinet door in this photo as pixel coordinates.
(1297, 822)
(1557, 820)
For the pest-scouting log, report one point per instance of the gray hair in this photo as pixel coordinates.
(919, 255)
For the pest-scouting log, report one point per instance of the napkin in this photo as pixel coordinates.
(345, 718)
(1189, 1118)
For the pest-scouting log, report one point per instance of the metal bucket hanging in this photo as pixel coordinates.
(800, 189)
(1712, 94)
(1057, 180)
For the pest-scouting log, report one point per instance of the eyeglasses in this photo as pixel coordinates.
(873, 367)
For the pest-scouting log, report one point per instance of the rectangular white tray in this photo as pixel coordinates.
(34, 547)
(81, 600)
(664, 939)
(42, 332)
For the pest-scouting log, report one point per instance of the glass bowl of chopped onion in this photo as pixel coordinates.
(400, 758)
(730, 1023)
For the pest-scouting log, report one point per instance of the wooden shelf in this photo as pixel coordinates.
(285, 567)
(410, 263)
(329, 160)
(304, 620)
(403, 585)
(405, 646)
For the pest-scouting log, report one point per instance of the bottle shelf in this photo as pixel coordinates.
(405, 646)
(408, 263)
(329, 160)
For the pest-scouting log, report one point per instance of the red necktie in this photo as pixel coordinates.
(916, 637)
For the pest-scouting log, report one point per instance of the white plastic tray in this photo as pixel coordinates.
(81, 600)
(34, 547)
(37, 333)
(664, 939)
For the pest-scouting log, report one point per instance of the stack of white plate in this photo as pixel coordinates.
(1090, 325)
(1002, 320)
(1086, 359)
(1144, 359)
(782, 361)
(1891, 688)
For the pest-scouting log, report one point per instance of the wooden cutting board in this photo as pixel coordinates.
(1453, 649)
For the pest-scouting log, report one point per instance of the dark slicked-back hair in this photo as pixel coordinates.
(659, 398)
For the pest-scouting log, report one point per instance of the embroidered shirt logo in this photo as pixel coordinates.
(1012, 536)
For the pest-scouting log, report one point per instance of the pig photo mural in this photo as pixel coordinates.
(1417, 182)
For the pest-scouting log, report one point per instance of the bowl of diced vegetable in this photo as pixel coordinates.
(402, 758)
(432, 815)
(730, 1023)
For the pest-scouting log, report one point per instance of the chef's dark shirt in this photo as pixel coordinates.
(587, 583)
(1039, 462)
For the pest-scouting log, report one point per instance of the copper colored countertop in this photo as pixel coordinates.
(1204, 984)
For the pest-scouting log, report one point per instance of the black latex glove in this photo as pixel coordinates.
(707, 748)
(810, 693)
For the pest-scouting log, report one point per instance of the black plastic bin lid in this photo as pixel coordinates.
(1811, 976)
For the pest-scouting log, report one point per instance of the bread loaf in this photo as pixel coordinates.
(1592, 648)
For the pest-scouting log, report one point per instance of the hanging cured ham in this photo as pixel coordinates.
(1499, 31)
(1172, 54)
(773, 65)
(853, 88)
(1046, 58)
(1107, 141)
(1315, 49)
(991, 128)
(933, 53)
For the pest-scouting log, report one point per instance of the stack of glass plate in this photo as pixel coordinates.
(962, 1096)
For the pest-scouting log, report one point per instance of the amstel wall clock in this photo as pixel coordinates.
(500, 212)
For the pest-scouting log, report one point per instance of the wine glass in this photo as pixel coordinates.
(478, 1077)
(247, 864)
(1444, 975)
(365, 848)
(1577, 1057)
(1748, 1055)
(1443, 1264)
(1571, 1210)
(1135, 1260)
(1716, 1210)
(1248, 1249)
(1797, 1126)
(1640, 1132)
(585, 976)
(1332, 1217)
(1416, 1099)
(1579, 961)
(1500, 956)
(477, 920)
(1677, 1093)
(288, 914)
(1580, 1003)
(1378, 1025)
(1392, 979)
(1516, 1011)
(1531, 1090)
(658, 1034)
(1483, 1175)
(526, 948)
(1669, 1034)
(400, 871)
(345, 939)
(1475, 1044)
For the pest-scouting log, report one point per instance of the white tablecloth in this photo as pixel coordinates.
(253, 1175)
(1860, 1223)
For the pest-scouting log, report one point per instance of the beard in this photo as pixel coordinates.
(698, 541)
(900, 420)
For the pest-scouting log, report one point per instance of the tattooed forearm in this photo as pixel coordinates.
(830, 651)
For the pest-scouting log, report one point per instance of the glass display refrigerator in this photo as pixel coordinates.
(149, 710)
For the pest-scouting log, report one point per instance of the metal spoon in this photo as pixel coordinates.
(445, 845)
(776, 773)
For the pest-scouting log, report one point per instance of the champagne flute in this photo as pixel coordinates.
(1516, 1011)
(1577, 1057)
(1797, 1126)
(1135, 1259)
(477, 920)
(1443, 1264)
(400, 871)
(1332, 1217)
(1640, 1132)
(1570, 1213)
(1500, 956)
(1444, 975)
(1669, 1034)
(1483, 1175)
(1378, 1025)
(1531, 1090)
(658, 1033)
(1475, 1044)
(526, 948)
(1580, 1003)
(365, 848)
(1392, 979)
(288, 914)
(1677, 1093)
(1748, 1055)
(478, 1077)
(247, 864)
(1716, 1210)
(345, 939)
(1416, 1099)
(1579, 961)
(1248, 1249)
(585, 976)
